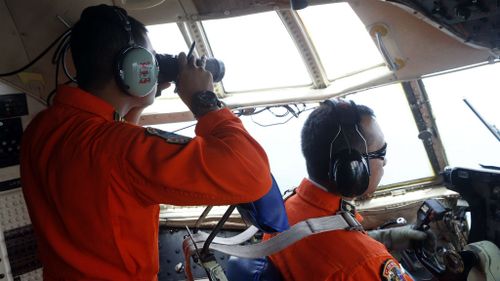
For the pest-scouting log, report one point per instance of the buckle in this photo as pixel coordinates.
(348, 207)
(351, 221)
(214, 269)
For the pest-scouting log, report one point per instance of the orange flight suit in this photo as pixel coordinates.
(92, 184)
(335, 255)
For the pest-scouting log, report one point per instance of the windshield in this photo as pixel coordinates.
(467, 141)
(259, 54)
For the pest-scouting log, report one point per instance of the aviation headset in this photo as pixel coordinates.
(349, 168)
(136, 68)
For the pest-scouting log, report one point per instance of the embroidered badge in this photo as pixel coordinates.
(391, 271)
(168, 136)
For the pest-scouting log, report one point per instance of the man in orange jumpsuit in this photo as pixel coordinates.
(340, 139)
(93, 179)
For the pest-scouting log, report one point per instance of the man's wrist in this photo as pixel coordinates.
(204, 102)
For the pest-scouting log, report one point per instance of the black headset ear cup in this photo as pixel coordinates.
(350, 173)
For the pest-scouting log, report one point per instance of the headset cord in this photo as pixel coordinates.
(73, 79)
(59, 59)
(38, 57)
(53, 92)
(59, 56)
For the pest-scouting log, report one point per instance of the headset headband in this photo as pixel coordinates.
(126, 24)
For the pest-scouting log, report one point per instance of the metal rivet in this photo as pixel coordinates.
(179, 267)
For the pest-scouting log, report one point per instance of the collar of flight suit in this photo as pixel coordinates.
(85, 101)
(317, 196)
(314, 194)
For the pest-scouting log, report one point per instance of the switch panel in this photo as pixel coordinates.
(18, 260)
(13, 105)
(11, 131)
(21, 250)
(481, 189)
(10, 184)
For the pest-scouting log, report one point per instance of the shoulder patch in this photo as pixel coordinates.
(391, 271)
(168, 136)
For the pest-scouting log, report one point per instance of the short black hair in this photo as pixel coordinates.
(96, 41)
(320, 129)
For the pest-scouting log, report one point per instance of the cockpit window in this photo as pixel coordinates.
(257, 51)
(278, 131)
(167, 38)
(406, 156)
(466, 140)
(341, 39)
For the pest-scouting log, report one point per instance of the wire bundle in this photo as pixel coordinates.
(58, 59)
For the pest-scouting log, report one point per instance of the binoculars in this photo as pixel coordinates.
(169, 68)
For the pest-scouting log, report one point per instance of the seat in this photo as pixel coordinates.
(268, 213)
(260, 269)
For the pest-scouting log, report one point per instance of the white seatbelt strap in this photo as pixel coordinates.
(230, 246)
(201, 237)
(301, 230)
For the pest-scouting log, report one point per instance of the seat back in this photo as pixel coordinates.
(268, 213)
(261, 269)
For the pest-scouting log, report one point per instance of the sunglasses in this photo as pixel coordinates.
(378, 154)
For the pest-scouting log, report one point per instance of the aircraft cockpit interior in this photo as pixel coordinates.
(428, 70)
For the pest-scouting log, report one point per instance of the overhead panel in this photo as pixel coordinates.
(475, 22)
(180, 10)
(225, 8)
(424, 48)
(168, 11)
